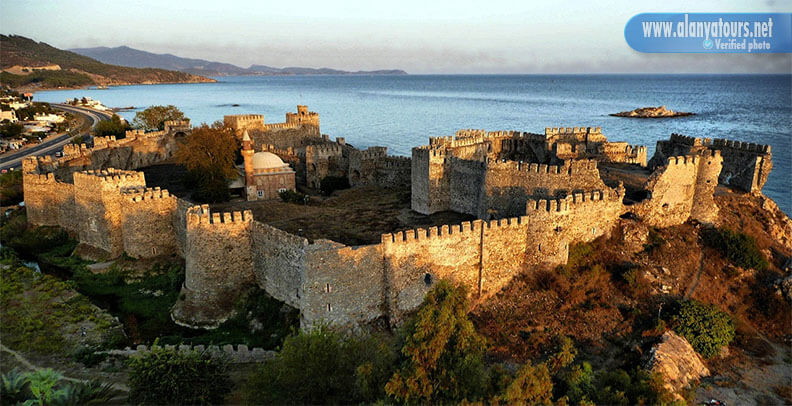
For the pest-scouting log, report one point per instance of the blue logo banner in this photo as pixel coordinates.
(710, 32)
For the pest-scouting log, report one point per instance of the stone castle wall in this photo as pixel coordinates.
(682, 189)
(746, 166)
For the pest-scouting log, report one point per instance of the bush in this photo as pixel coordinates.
(11, 188)
(172, 377)
(11, 130)
(46, 386)
(739, 248)
(330, 184)
(705, 327)
(322, 366)
(115, 127)
(290, 196)
(442, 352)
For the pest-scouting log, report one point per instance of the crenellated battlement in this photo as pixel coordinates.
(72, 150)
(371, 153)
(683, 160)
(323, 150)
(572, 202)
(197, 215)
(742, 146)
(569, 167)
(40, 179)
(691, 141)
(146, 194)
(397, 162)
(572, 130)
(466, 227)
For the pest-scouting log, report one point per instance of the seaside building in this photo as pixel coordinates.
(266, 175)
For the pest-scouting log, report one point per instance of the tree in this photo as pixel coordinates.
(173, 377)
(442, 352)
(209, 154)
(11, 130)
(531, 386)
(154, 117)
(113, 127)
(705, 327)
(322, 366)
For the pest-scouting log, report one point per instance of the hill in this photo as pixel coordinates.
(27, 63)
(126, 56)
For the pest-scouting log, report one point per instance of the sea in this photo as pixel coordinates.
(401, 112)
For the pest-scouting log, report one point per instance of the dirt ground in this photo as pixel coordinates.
(352, 217)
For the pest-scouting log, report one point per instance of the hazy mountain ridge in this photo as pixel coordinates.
(126, 56)
(72, 69)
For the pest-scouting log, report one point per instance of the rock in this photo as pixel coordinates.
(784, 288)
(677, 362)
(652, 112)
(634, 234)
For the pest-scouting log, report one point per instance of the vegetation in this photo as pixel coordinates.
(290, 196)
(18, 50)
(154, 117)
(330, 184)
(705, 327)
(47, 387)
(29, 112)
(172, 377)
(11, 188)
(11, 130)
(209, 154)
(36, 309)
(113, 127)
(739, 248)
(437, 358)
(46, 79)
(144, 304)
(320, 366)
(442, 356)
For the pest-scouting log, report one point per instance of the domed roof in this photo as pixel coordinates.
(266, 160)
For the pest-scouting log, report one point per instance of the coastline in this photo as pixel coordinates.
(35, 89)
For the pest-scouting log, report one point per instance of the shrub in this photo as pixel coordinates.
(737, 247)
(115, 127)
(169, 376)
(290, 196)
(330, 184)
(442, 352)
(321, 366)
(531, 386)
(11, 188)
(46, 387)
(705, 327)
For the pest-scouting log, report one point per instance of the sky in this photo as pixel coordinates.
(419, 36)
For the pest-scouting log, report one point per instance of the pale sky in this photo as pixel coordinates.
(454, 36)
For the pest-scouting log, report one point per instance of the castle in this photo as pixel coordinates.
(533, 196)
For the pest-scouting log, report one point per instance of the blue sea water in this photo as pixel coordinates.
(403, 111)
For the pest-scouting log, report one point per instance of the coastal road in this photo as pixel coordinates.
(49, 147)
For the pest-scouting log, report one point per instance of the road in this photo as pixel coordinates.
(49, 147)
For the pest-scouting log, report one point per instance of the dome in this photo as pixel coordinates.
(266, 160)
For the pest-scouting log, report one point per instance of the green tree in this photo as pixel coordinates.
(442, 352)
(11, 130)
(531, 386)
(209, 154)
(113, 127)
(154, 117)
(322, 366)
(172, 377)
(11, 188)
(705, 327)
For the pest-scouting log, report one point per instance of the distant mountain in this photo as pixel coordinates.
(126, 56)
(27, 63)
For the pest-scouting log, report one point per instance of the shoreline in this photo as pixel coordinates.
(48, 89)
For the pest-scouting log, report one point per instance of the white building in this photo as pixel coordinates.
(49, 118)
(8, 115)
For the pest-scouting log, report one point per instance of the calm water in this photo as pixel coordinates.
(402, 111)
